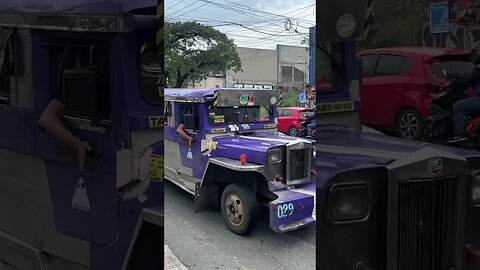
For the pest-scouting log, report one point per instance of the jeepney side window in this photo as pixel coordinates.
(239, 115)
(192, 111)
(7, 65)
(151, 74)
(169, 115)
(330, 75)
(73, 62)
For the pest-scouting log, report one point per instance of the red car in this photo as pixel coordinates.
(290, 118)
(399, 83)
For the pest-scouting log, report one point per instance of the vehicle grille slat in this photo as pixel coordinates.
(299, 160)
(427, 224)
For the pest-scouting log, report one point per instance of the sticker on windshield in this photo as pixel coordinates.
(234, 128)
(245, 126)
(213, 145)
(156, 121)
(218, 130)
(336, 107)
(156, 167)
(219, 119)
(243, 100)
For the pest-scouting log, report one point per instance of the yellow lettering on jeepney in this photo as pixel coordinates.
(156, 121)
(156, 167)
(336, 107)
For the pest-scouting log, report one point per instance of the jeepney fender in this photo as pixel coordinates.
(207, 191)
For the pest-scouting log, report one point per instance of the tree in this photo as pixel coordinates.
(397, 24)
(193, 51)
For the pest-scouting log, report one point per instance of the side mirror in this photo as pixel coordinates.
(81, 92)
(189, 122)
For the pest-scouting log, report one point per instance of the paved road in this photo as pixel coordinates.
(202, 241)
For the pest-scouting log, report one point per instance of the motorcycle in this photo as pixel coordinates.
(439, 127)
(304, 131)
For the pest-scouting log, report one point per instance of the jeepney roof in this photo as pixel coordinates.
(189, 92)
(194, 92)
(103, 7)
(75, 15)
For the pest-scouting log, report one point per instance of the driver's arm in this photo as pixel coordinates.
(50, 120)
(183, 134)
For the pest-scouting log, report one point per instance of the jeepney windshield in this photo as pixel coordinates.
(330, 75)
(239, 115)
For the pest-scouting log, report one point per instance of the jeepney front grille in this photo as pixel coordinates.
(299, 165)
(427, 224)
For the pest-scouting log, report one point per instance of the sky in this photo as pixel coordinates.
(250, 23)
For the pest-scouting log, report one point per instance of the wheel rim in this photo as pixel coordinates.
(234, 208)
(293, 132)
(409, 125)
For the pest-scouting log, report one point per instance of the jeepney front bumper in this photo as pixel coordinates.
(293, 209)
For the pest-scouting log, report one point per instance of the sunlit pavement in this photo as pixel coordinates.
(202, 241)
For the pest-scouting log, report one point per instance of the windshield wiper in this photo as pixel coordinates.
(244, 133)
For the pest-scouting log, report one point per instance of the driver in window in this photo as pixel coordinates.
(181, 127)
(51, 118)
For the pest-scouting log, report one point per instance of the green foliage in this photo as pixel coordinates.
(290, 99)
(193, 51)
(397, 24)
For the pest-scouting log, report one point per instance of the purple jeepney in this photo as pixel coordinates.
(238, 160)
(384, 202)
(54, 215)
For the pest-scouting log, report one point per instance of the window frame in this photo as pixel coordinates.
(401, 56)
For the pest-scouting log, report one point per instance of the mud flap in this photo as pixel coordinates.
(206, 197)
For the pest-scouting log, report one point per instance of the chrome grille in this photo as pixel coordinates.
(299, 159)
(427, 224)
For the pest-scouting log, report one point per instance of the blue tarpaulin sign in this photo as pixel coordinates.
(439, 18)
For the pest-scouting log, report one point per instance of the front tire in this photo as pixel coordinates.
(239, 208)
(410, 124)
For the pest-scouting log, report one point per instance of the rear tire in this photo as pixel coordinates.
(239, 208)
(410, 124)
(293, 132)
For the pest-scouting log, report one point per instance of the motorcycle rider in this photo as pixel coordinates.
(311, 124)
(470, 104)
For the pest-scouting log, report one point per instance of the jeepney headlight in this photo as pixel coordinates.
(476, 188)
(349, 203)
(274, 156)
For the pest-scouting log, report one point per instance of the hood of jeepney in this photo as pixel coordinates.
(353, 148)
(255, 146)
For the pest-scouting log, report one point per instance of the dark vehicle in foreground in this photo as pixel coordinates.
(399, 83)
(384, 202)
